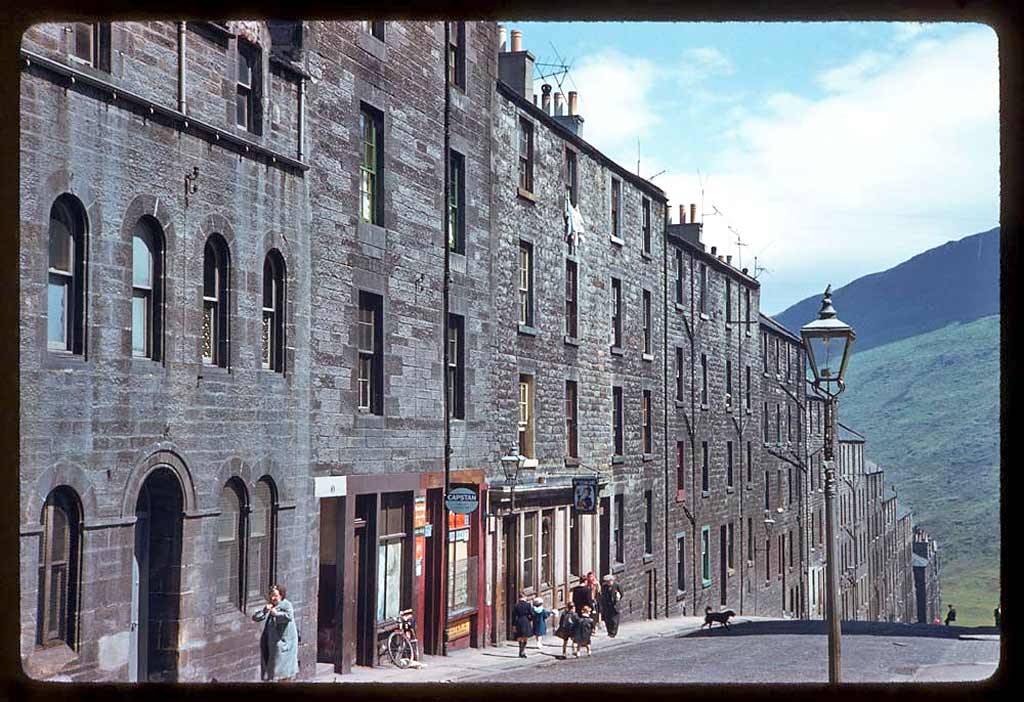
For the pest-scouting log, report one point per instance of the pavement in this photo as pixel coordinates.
(752, 650)
(469, 664)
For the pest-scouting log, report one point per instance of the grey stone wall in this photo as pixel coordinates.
(97, 422)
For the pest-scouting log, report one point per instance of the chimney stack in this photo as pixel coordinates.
(559, 104)
(501, 39)
(682, 214)
(574, 104)
(515, 67)
(693, 213)
(545, 100)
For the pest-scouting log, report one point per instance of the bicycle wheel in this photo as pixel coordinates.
(399, 649)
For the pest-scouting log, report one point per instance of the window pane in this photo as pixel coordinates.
(60, 243)
(57, 309)
(140, 324)
(142, 261)
(83, 41)
(389, 579)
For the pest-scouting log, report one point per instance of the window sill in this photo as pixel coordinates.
(571, 340)
(703, 406)
(728, 408)
(704, 316)
(618, 568)
(730, 572)
(617, 351)
(730, 489)
(141, 364)
(680, 495)
(372, 45)
(680, 595)
(705, 493)
(646, 255)
(617, 241)
(747, 333)
(364, 419)
(372, 234)
(526, 195)
(572, 461)
(728, 327)
(647, 357)
(527, 330)
(680, 307)
(211, 370)
(648, 457)
(648, 557)
(63, 360)
(705, 584)
(618, 459)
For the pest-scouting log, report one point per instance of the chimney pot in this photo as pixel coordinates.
(501, 38)
(573, 102)
(517, 40)
(745, 271)
(693, 212)
(682, 214)
(728, 259)
(559, 104)
(545, 101)
(714, 250)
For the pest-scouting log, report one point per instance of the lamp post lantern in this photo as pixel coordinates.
(827, 341)
(510, 466)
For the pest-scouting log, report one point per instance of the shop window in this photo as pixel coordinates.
(529, 547)
(392, 554)
(462, 556)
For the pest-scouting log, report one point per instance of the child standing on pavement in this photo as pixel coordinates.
(581, 634)
(540, 620)
(566, 625)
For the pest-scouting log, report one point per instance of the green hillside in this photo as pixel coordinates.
(929, 406)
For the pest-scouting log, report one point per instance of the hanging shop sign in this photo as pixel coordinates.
(462, 500)
(584, 495)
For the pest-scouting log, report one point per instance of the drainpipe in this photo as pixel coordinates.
(664, 385)
(444, 340)
(302, 118)
(694, 317)
(181, 67)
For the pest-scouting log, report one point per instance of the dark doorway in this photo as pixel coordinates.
(365, 571)
(723, 564)
(604, 557)
(329, 609)
(510, 546)
(433, 597)
(652, 606)
(156, 576)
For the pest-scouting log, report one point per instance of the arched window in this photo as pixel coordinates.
(230, 547)
(66, 276)
(262, 538)
(58, 569)
(272, 351)
(147, 289)
(215, 302)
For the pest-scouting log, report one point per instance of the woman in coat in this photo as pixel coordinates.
(540, 620)
(279, 643)
(522, 622)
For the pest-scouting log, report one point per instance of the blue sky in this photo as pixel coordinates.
(833, 149)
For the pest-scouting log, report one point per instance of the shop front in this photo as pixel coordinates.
(382, 551)
(539, 545)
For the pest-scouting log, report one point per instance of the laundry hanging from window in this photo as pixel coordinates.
(573, 222)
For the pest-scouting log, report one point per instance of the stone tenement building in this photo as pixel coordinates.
(274, 274)
(926, 565)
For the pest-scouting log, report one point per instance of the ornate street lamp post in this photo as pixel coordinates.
(827, 341)
(511, 465)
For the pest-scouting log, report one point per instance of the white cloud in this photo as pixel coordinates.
(615, 98)
(847, 76)
(900, 159)
(702, 62)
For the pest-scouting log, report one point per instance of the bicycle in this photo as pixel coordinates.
(402, 645)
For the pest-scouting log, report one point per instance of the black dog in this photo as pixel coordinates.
(721, 617)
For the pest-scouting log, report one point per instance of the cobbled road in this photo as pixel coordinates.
(778, 651)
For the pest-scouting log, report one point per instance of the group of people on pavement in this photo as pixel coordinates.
(588, 606)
